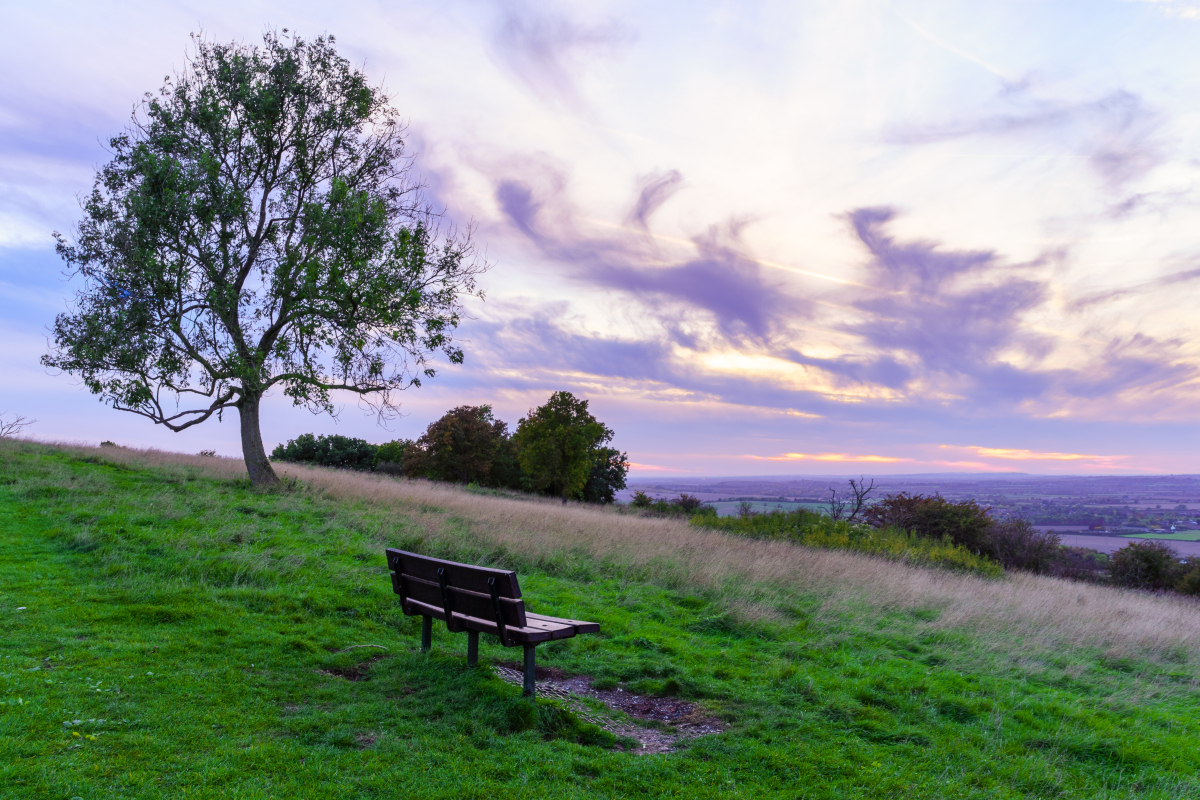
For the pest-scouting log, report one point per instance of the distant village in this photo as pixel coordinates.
(1107, 504)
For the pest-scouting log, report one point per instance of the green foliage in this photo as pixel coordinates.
(191, 663)
(1146, 565)
(459, 448)
(389, 457)
(817, 530)
(685, 505)
(1189, 583)
(256, 228)
(607, 477)
(338, 451)
(1016, 544)
(965, 523)
(506, 467)
(558, 446)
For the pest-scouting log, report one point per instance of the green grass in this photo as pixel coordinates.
(180, 638)
(1182, 536)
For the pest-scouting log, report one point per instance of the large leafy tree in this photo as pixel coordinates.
(460, 447)
(258, 228)
(561, 443)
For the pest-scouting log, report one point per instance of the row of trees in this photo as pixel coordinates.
(559, 450)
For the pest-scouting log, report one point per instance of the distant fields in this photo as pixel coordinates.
(1181, 536)
(728, 508)
(183, 635)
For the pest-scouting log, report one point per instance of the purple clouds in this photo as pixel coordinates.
(721, 280)
(949, 312)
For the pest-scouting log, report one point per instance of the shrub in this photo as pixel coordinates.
(965, 523)
(1082, 564)
(1016, 544)
(1189, 584)
(817, 530)
(1146, 565)
(687, 503)
(389, 457)
(328, 451)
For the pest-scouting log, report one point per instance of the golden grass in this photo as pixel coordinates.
(1028, 611)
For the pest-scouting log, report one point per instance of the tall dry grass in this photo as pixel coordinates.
(1034, 612)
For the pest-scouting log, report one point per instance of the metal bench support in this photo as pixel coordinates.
(472, 648)
(426, 633)
(530, 671)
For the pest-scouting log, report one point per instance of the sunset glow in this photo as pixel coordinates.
(989, 237)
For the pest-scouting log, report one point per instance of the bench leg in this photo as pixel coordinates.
(530, 671)
(472, 648)
(426, 633)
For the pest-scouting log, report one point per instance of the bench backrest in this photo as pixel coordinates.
(427, 585)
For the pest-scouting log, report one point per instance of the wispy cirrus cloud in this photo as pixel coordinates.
(721, 280)
(929, 324)
(1180, 9)
(544, 48)
(1118, 133)
(951, 313)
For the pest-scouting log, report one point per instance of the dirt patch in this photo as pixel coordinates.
(680, 720)
(355, 673)
(364, 740)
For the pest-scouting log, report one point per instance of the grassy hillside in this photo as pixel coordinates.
(184, 635)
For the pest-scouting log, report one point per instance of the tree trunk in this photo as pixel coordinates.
(261, 473)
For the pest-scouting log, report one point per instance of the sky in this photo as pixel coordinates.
(759, 238)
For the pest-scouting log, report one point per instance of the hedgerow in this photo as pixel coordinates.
(816, 530)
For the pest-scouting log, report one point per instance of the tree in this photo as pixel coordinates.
(609, 468)
(558, 444)
(14, 427)
(389, 457)
(343, 452)
(258, 228)
(860, 491)
(459, 447)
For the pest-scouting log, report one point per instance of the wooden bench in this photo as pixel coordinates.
(476, 600)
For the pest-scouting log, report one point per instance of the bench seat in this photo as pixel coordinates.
(475, 600)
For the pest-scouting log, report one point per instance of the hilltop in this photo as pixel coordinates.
(182, 634)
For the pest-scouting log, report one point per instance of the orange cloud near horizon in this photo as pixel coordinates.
(1032, 455)
(831, 457)
(650, 467)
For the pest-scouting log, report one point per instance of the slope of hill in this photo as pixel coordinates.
(166, 630)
